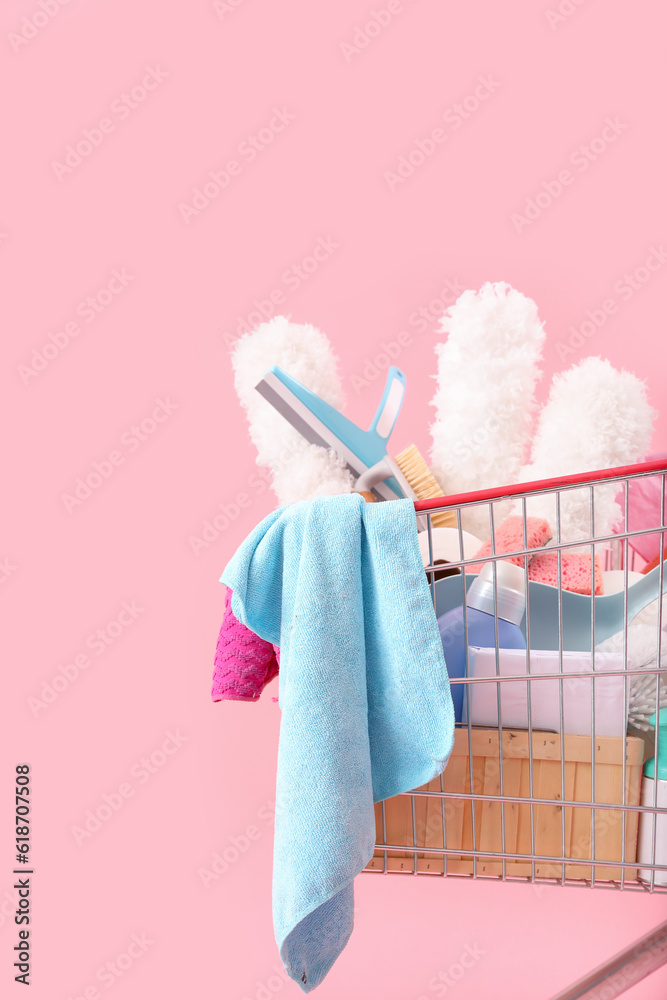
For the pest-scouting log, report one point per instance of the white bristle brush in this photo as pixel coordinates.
(595, 418)
(300, 471)
(487, 372)
(642, 700)
(640, 645)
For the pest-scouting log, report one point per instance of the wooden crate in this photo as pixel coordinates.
(427, 828)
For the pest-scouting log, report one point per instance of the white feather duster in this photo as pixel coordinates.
(300, 470)
(487, 372)
(595, 418)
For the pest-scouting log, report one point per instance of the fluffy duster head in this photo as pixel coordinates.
(487, 371)
(300, 470)
(595, 418)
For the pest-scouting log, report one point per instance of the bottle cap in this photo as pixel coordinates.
(511, 588)
(660, 759)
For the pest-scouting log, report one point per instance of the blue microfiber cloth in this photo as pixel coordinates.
(363, 689)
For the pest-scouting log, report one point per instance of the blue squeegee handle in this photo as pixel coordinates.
(370, 445)
(390, 404)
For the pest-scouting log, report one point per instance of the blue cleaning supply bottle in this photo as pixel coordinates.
(510, 584)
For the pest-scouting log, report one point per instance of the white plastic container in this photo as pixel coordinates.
(575, 694)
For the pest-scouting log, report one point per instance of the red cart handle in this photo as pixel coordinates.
(543, 485)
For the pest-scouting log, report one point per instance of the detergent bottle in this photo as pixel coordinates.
(654, 783)
(480, 605)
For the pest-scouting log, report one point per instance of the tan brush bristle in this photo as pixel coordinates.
(424, 483)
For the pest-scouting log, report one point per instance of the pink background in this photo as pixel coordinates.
(163, 336)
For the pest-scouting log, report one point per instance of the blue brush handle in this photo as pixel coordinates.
(371, 445)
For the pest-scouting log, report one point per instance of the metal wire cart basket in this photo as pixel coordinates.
(544, 783)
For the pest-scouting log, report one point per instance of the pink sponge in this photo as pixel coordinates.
(509, 538)
(575, 571)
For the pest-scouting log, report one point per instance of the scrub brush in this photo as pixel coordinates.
(487, 372)
(424, 484)
(642, 700)
(640, 646)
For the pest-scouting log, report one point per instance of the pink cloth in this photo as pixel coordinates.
(644, 499)
(244, 663)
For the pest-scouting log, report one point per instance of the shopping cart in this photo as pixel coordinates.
(525, 801)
